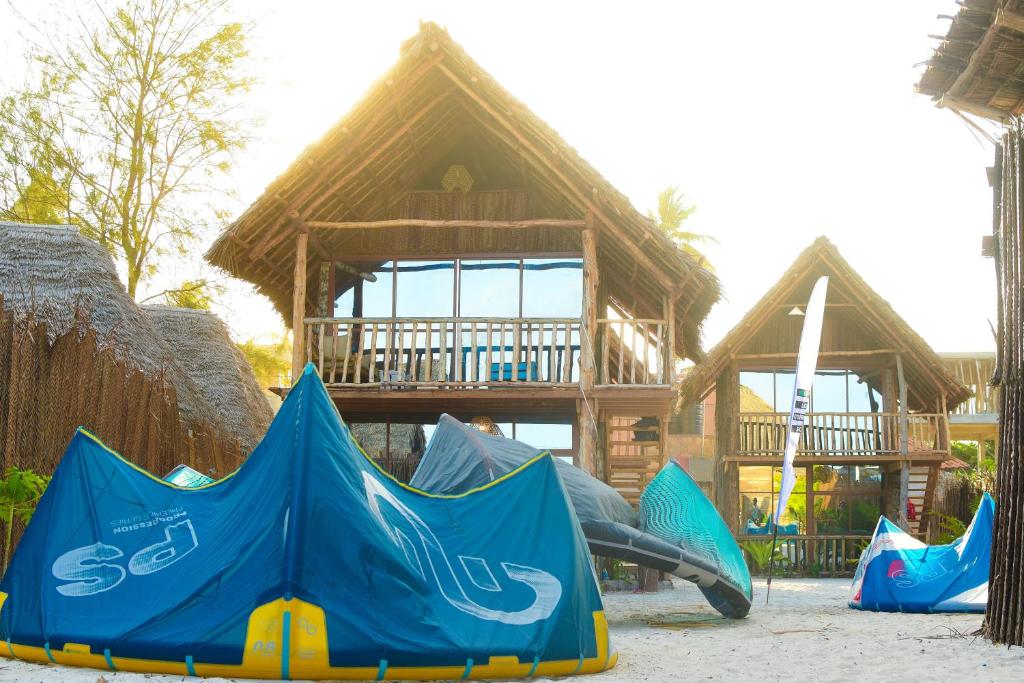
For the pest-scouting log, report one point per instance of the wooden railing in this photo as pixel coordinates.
(472, 352)
(842, 434)
(822, 555)
(633, 351)
(975, 371)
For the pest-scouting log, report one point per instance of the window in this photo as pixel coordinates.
(834, 391)
(425, 289)
(759, 486)
(489, 289)
(378, 297)
(552, 288)
(847, 498)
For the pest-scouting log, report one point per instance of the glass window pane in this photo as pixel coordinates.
(864, 514)
(785, 380)
(489, 289)
(861, 395)
(343, 303)
(865, 478)
(832, 514)
(832, 477)
(829, 392)
(425, 289)
(794, 517)
(377, 295)
(552, 288)
(757, 391)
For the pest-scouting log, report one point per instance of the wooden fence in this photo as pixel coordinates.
(819, 554)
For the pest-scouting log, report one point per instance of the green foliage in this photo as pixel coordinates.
(968, 452)
(759, 554)
(197, 294)
(671, 214)
(814, 569)
(20, 491)
(129, 117)
(950, 528)
(270, 362)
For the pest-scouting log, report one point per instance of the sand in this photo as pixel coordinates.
(806, 633)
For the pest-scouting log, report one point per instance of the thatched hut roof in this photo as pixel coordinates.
(406, 439)
(977, 67)
(858, 320)
(204, 351)
(52, 274)
(436, 107)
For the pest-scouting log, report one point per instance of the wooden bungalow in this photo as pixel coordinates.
(877, 431)
(441, 249)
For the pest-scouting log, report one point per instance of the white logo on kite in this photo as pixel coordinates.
(91, 571)
(434, 563)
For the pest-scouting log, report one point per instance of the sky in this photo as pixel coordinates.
(780, 121)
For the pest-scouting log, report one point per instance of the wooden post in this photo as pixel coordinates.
(587, 415)
(299, 306)
(670, 341)
(904, 443)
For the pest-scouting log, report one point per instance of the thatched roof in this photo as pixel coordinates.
(53, 274)
(977, 68)
(406, 439)
(858, 319)
(203, 349)
(437, 107)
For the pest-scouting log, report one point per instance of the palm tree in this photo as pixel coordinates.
(672, 213)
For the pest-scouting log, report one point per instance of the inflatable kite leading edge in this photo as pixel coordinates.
(898, 573)
(307, 562)
(677, 530)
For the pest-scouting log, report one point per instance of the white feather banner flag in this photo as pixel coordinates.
(806, 364)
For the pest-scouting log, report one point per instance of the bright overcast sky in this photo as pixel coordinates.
(781, 121)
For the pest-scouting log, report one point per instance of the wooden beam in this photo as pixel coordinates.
(822, 354)
(625, 243)
(904, 442)
(299, 306)
(426, 223)
(378, 149)
(1009, 20)
(964, 106)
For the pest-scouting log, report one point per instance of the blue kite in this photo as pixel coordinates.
(898, 573)
(309, 561)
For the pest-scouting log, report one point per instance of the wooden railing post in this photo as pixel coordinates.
(588, 356)
(299, 306)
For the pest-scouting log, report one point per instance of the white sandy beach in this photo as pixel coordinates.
(806, 633)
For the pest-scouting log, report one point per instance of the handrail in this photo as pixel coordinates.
(483, 351)
(441, 352)
(842, 433)
(645, 363)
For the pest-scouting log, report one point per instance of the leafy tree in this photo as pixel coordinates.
(671, 214)
(270, 362)
(129, 118)
(20, 491)
(198, 294)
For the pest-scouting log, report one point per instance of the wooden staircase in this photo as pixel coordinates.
(633, 455)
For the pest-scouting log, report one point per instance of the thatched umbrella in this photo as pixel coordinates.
(204, 351)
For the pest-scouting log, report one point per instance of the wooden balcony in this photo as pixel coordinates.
(482, 352)
(864, 436)
(445, 352)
